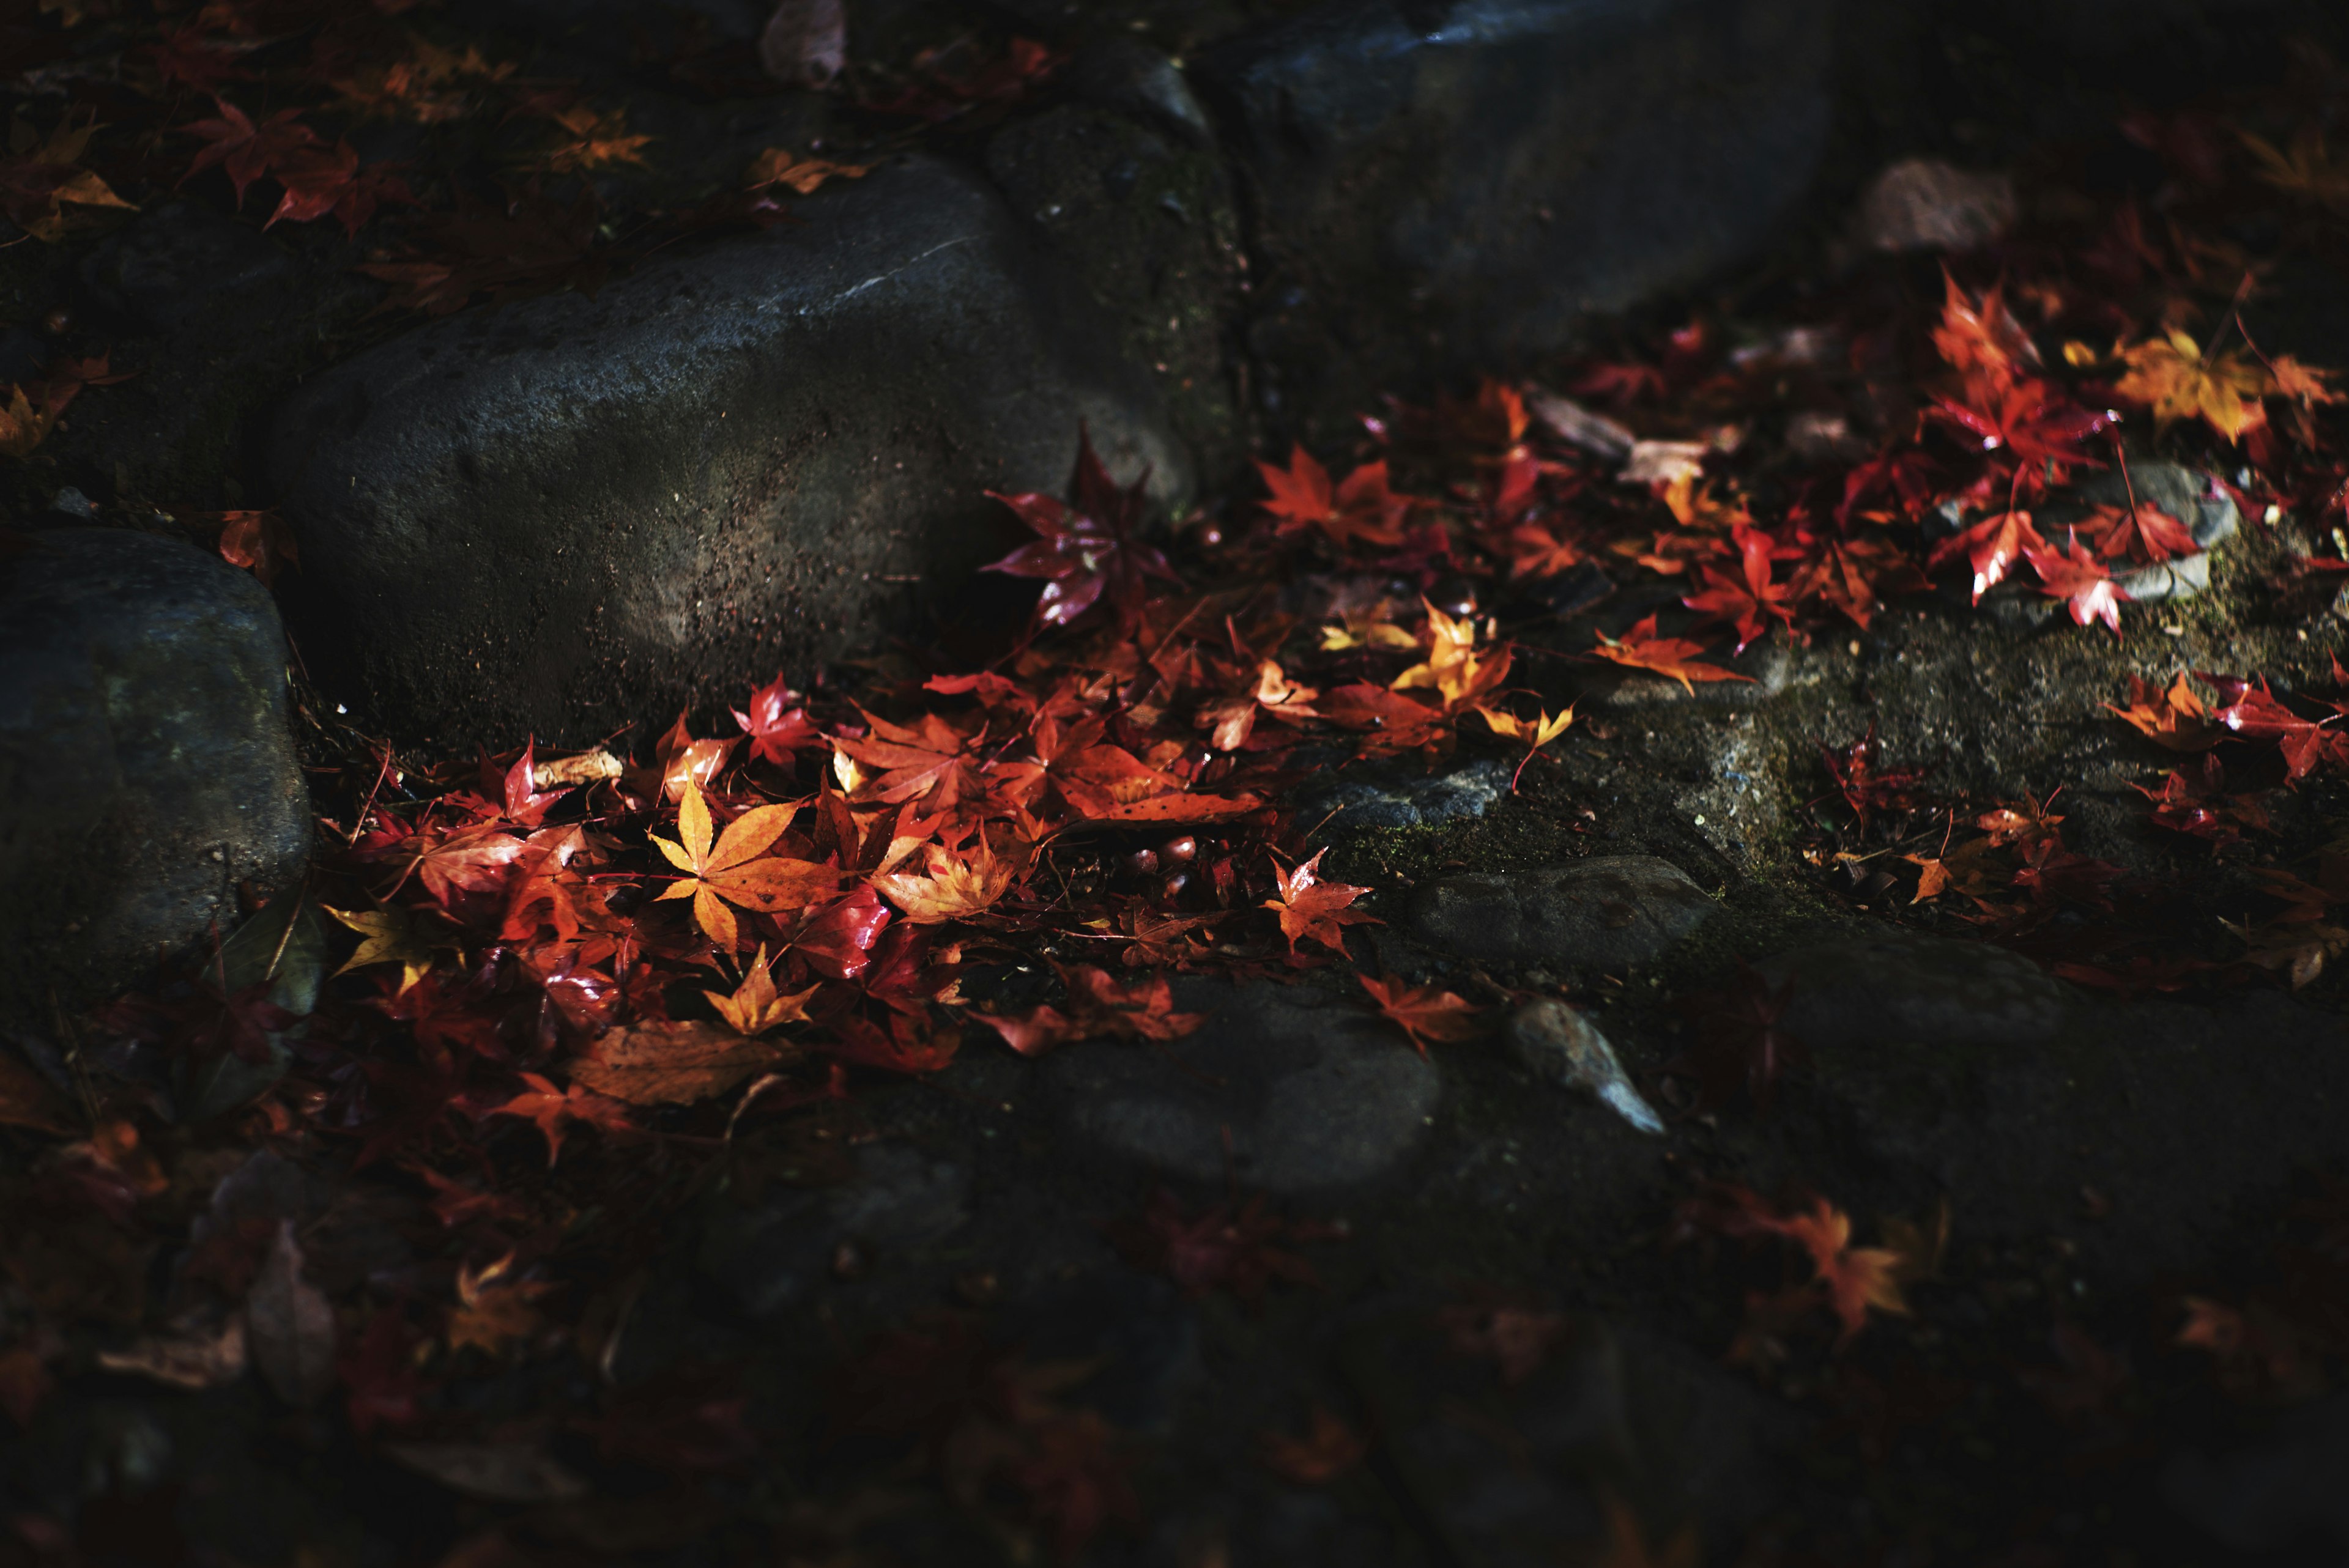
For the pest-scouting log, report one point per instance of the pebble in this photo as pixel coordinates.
(1555, 1042)
(1601, 912)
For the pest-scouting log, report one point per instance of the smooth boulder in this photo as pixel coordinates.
(1279, 1090)
(558, 516)
(146, 771)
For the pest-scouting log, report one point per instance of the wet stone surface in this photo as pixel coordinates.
(1280, 1089)
(1601, 912)
(1389, 797)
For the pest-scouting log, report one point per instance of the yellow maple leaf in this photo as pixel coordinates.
(38, 179)
(956, 886)
(1536, 732)
(754, 1008)
(25, 426)
(1453, 666)
(731, 872)
(2173, 376)
(391, 934)
(493, 1311)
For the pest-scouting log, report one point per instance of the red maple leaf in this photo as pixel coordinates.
(551, 1108)
(2140, 532)
(1088, 549)
(1640, 648)
(2081, 581)
(246, 151)
(1425, 1013)
(327, 180)
(2027, 419)
(1362, 509)
(777, 726)
(1746, 601)
(2253, 712)
(1311, 910)
(1991, 547)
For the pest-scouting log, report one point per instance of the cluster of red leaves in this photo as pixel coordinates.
(1848, 1281)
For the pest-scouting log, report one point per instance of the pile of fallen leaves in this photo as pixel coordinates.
(524, 1004)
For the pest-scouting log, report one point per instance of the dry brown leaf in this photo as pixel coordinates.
(290, 1324)
(673, 1063)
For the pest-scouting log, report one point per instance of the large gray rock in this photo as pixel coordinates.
(1467, 182)
(1281, 1090)
(145, 767)
(1603, 911)
(561, 515)
(1898, 986)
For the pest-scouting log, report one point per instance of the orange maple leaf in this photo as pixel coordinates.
(1422, 1012)
(1311, 910)
(551, 1108)
(2173, 719)
(1328, 1449)
(1856, 1278)
(2173, 377)
(1642, 649)
(595, 141)
(928, 758)
(730, 871)
(1362, 508)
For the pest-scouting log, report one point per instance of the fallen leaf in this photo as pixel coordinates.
(1311, 910)
(736, 870)
(290, 1324)
(955, 886)
(1328, 1449)
(190, 1361)
(2081, 581)
(753, 1008)
(1642, 649)
(2171, 377)
(551, 1108)
(1425, 1013)
(658, 1063)
(393, 933)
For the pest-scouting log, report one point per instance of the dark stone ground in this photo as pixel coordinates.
(2101, 1158)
